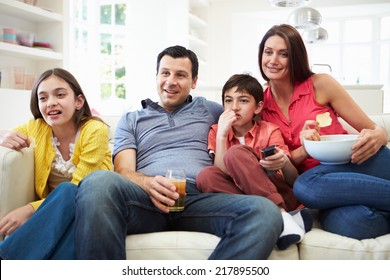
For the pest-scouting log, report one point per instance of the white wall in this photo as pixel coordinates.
(237, 27)
(14, 108)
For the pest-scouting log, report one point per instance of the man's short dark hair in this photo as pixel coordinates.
(179, 52)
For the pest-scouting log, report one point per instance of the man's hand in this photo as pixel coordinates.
(162, 193)
(14, 219)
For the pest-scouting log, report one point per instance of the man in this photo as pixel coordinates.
(170, 133)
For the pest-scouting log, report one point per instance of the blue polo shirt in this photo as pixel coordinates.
(169, 139)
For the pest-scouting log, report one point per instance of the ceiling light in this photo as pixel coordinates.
(288, 3)
(315, 35)
(305, 18)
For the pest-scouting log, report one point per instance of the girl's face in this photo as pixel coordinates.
(245, 107)
(275, 58)
(57, 102)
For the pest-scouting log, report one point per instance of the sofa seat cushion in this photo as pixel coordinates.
(321, 245)
(170, 245)
(174, 245)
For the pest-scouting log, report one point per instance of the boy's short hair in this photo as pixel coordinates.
(244, 83)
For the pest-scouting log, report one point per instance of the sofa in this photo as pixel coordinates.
(17, 189)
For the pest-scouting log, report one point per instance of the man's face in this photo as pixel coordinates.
(174, 81)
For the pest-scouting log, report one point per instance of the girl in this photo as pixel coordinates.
(69, 144)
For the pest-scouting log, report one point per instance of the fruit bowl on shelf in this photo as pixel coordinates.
(25, 39)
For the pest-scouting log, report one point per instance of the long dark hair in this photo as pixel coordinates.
(298, 61)
(80, 116)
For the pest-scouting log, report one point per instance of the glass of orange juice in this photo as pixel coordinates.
(178, 178)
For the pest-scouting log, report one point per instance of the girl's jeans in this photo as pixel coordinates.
(49, 233)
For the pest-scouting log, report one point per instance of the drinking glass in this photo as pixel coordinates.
(178, 178)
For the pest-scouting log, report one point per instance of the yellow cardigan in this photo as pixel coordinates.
(91, 152)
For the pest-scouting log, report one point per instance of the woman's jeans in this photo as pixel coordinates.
(354, 200)
(109, 207)
(49, 233)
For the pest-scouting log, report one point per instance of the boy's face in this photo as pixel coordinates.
(244, 106)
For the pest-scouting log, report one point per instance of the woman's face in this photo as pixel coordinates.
(275, 58)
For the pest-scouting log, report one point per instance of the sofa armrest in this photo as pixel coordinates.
(16, 178)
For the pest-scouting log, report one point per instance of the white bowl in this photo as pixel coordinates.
(332, 149)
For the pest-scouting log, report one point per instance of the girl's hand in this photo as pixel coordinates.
(14, 219)
(13, 140)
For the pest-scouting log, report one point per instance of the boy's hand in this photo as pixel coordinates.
(225, 122)
(275, 161)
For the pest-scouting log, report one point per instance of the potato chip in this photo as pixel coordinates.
(324, 119)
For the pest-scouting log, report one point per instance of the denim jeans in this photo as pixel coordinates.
(49, 233)
(354, 200)
(109, 207)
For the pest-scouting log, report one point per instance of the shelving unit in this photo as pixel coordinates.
(46, 21)
(198, 35)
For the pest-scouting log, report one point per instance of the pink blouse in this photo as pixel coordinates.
(303, 106)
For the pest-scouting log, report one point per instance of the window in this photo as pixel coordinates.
(357, 57)
(112, 41)
(99, 36)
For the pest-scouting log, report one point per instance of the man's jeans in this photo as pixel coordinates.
(110, 207)
(49, 233)
(354, 199)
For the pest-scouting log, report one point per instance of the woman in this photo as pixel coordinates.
(353, 198)
(69, 143)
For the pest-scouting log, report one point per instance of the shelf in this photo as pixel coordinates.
(199, 3)
(28, 12)
(195, 40)
(4, 91)
(30, 53)
(197, 21)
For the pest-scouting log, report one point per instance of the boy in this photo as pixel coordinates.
(235, 144)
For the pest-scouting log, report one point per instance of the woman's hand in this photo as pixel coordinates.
(368, 144)
(14, 219)
(310, 131)
(13, 140)
(162, 193)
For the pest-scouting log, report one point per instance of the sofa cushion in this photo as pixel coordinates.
(170, 245)
(173, 245)
(321, 245)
